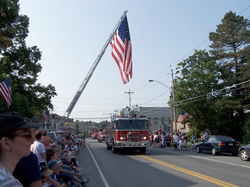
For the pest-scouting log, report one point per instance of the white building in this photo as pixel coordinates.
(158, 116)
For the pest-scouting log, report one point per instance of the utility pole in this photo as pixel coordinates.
(129, 97)
(174, 100)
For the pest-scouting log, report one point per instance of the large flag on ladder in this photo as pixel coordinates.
(5, 91)
(122, 51)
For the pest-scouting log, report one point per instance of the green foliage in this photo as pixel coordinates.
(103, 124)
(76, 128)
(246, 129)
(8, 14)
(197, 80)
(215, 88)
(21, 64)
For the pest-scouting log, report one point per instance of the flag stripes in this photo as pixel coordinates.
(122, 51)
(182, 116)
(45, 115)
(5, 90)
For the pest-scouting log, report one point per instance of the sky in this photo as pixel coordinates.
(71, 34)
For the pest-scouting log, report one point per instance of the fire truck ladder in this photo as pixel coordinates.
(90, 73)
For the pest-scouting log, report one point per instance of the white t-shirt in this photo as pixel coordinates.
(176, 139)
(70, 153)
(38, 148)
(76, 140)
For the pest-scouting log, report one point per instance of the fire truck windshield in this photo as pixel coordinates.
(131, 124)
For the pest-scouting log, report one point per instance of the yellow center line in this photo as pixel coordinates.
(195, 174)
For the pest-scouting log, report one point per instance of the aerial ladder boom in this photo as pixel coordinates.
(90, 73)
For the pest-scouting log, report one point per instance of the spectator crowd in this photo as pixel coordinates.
(27, 158)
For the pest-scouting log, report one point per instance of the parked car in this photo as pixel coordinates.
(244, 152)
(52, 135)
(101, 136)
(216, 144)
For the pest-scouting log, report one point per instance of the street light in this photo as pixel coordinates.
(159, 83)
(172, 89)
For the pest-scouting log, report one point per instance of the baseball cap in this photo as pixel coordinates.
(13, 121)
(51, 163)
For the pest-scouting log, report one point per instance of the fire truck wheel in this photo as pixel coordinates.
(142, 150)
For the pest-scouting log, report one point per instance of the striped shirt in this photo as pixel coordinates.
(7, 179)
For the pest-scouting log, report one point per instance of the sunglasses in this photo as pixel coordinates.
(24, 134)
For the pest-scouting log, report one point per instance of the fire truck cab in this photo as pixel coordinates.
(128, 131)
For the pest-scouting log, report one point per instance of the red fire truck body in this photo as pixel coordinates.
(128, 131)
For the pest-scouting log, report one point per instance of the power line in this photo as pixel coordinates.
(216, 91)
(154, 98)
(244, 10)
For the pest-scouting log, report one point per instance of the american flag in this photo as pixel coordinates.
(45, 115)
(182, 116)
(5, 90)
(122, 51)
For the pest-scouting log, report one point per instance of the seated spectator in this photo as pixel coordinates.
(67, 146)
(55, 166)
(58, 152)
(15, 141)
(155, 139)
(51, 178)
(50, 155)
(70, 159)
(182, 143)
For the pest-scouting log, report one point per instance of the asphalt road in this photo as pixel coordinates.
(160, 167)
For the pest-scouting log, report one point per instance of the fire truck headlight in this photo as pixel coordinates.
(143, 136)
(122, 137)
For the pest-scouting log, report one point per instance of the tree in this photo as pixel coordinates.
(8, 14)
(194, 90)
(21, 63)
(231, 49)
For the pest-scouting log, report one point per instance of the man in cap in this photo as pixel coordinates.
(55, 166)
(15, 141)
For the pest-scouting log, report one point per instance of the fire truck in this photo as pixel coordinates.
(128, 131)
